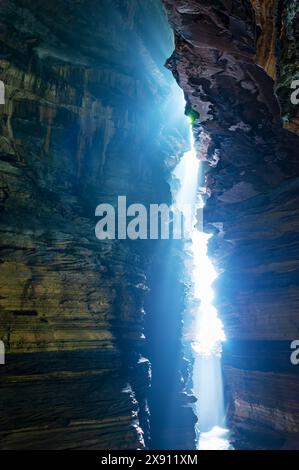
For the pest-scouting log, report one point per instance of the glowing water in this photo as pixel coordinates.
(216, 439)
(208, 329)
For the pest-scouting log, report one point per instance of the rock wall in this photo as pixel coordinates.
(84, 121)
(236, 61)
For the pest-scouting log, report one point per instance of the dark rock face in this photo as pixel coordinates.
(172, 419)
(83, 122)
(231, 57)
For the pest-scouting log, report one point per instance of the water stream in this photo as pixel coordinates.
(207, 329)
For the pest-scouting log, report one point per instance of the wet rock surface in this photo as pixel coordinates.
(235, 62)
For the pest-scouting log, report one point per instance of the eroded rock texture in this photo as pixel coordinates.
(83, 122)
(235, 61)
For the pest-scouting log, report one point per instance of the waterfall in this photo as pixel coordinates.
(207, 329)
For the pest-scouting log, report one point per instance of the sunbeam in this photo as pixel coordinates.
(207, 328)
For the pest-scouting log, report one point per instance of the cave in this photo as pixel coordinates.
(149, 225)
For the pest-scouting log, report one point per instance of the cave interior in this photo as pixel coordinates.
(120, 98)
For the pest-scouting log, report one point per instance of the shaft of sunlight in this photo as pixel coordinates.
(208, 333)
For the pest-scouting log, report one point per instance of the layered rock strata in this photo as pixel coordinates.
(236, 61)
(84, 121)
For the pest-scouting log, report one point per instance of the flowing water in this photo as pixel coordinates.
(207, 328)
